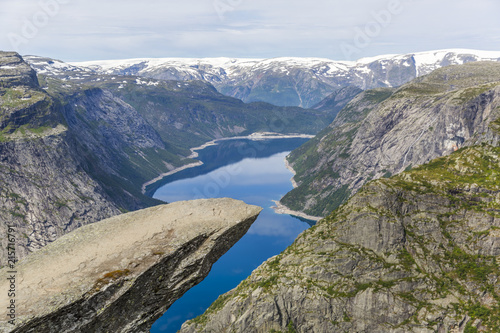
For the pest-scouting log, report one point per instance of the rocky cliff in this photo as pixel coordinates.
(384, 131)
(123, 150)
(46, 191)
(417, 252)
(123, 273)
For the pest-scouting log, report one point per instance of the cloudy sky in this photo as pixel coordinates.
(77, 30)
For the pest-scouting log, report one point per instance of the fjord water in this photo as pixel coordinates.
(252, 171)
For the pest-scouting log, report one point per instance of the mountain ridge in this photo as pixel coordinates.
(289, 81)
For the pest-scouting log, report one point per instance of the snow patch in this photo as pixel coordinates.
(147, 82)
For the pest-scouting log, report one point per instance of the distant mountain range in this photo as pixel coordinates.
(281, 81)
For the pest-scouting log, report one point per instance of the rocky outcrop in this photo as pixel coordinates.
(123, 273)
(15, 71)
(382, 132)
(417, 252)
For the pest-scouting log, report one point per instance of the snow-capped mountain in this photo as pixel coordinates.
(53, 67)
(286, 81)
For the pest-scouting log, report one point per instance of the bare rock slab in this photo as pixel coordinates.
(123, 273)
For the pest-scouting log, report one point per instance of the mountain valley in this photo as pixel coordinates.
(114, 134)
(403, 169)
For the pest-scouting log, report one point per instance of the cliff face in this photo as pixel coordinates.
(123, 150)
(385, 131)
(123, 273)
(417, 252)
(45, 191)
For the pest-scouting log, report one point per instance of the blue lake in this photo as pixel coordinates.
(252, 171)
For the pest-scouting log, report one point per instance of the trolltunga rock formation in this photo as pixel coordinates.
(123, 273)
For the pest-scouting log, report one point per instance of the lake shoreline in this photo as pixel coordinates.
(292, 170)
(258, 136)
(282, 209)
(163, 175)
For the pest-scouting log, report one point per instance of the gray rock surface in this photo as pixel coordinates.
(123, 273)
(417, 252)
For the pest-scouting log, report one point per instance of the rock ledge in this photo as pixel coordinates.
(121, 274)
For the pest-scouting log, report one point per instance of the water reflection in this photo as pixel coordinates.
(228, 153)
(256, 174)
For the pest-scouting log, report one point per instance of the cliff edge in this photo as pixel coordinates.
(123, 273)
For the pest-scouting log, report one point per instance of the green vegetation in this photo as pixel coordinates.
(290, 328)
(468, 94)
(61, 203)
(214, 308)
(378, 95)
(406, 259)
(268, 283)
(39, 130)
(17, 98)
(417, 88)
(455, 173)
(26, 112)
(470, 329)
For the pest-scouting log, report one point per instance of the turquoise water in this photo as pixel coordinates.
(252, 171)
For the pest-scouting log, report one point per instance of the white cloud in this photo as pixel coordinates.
(92, 29)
